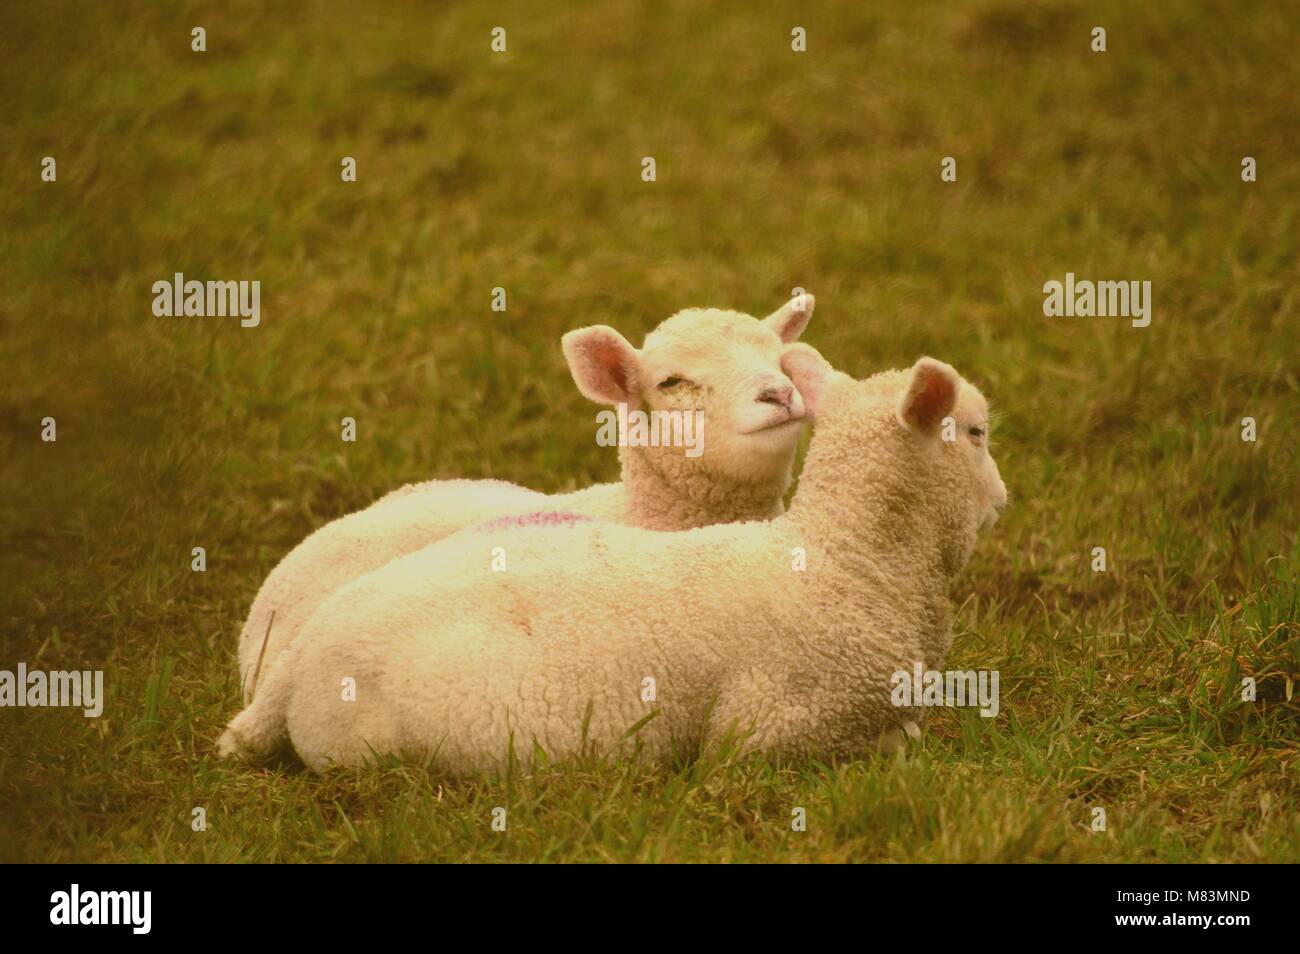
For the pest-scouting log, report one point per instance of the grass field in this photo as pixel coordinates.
(1120, 690)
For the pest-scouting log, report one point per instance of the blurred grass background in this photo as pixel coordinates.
(775, 169)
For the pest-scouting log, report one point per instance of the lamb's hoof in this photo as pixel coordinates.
(894, 738)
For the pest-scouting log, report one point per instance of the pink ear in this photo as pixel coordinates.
(930, 396)
(603, 364)
(810, 372)
(789, 321)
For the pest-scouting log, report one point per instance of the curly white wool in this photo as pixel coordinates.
(438, 655)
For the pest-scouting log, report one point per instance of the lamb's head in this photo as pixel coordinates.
(722, 363)
(918, 439)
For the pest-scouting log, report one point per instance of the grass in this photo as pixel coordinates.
(1120, 690)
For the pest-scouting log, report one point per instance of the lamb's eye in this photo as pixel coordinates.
(671, 382)
(976, 432)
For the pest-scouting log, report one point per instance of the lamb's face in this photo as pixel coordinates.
(722, 364)
(728, 366)
(924, 431)
(974, 461)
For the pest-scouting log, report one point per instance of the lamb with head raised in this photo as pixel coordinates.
(723, 363)
(594, 629)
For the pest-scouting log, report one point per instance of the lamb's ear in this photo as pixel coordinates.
(789, 321)
(930, 396)
(809, 372)
(604, 366)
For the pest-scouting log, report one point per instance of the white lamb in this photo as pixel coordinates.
(723, 362)
(594, 627)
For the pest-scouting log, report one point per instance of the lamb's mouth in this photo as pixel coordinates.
(774, 426)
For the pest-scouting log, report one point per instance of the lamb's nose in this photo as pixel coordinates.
(780, 396)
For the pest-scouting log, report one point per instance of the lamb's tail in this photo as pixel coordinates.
(261, 731)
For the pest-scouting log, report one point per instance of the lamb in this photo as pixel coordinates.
(610, 637)
(722, 362)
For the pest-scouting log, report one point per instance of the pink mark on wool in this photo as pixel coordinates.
(540, 518)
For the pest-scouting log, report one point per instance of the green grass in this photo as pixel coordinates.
(1120, 690)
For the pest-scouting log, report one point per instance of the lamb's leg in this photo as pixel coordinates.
(343, 712)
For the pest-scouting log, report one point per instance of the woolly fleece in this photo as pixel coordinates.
(726, 361)
(458, 663)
